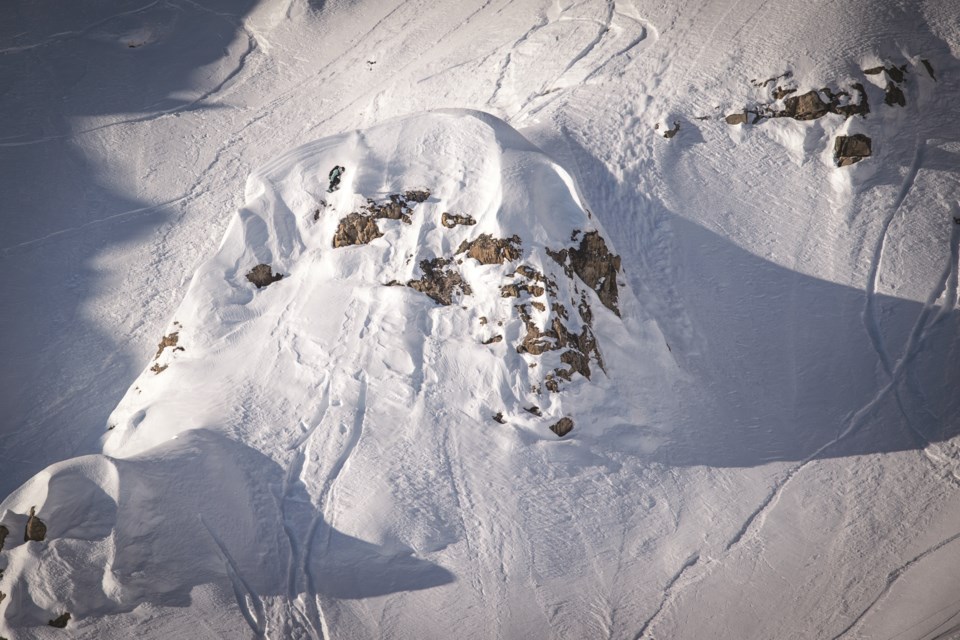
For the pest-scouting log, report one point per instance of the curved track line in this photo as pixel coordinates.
(892, 578)
(241, 588)
(869, 316)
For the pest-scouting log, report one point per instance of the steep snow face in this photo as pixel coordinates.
(320, 439)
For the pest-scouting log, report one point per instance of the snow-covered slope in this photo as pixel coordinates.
(766, 445)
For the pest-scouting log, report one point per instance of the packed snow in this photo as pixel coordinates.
(760, 365)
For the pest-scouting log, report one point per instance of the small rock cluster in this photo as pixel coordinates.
(170, 340)
(895, 76)
(807, 106)
(441, 281)
(847, 150)
(360, 227)
(34, 531)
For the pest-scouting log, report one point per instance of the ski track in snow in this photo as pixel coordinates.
(197, 103)
(668, 594)
(870, 314)
(755, 521)
(892, 578)
(300, 549)
(246, 596)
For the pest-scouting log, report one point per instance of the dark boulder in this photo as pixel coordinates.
(35, 530)
(60, 622)
(562, 427)
(262, 275)
(849, 150)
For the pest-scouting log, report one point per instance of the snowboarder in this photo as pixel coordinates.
(335, 174)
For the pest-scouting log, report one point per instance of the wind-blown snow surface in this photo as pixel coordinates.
(773, 451)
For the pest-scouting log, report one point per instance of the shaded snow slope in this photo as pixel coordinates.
(771, 450)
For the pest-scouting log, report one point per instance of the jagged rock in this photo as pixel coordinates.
(60, 622)
(849, 150)
(262, 275)
(535, 410)
(513, 290)
(489, 250)
(499, 417)
(4, 532)
(928, 67)
(158, 368)
(417, 195)
(595, 266)
(35, 530)
(440, 281)
(894, 95)
(562, 427)
(450, 220)
(493, 339)
(355, 229)
(669, 133)
(169, 341)
(2, 596)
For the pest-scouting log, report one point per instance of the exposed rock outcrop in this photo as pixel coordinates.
(595, 265)
(498, 416)
(4, 532)
(35, 530)
(929, 68)
(441, 281)
(489, 250)
(562, 427)
(262, 276)
(360, 227)
(60, 622)
(451, 220)
(416, 195)
(807, 106)
(355, 229)
(169, 341)
(849, 150)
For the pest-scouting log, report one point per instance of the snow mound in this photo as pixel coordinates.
(309, 431)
